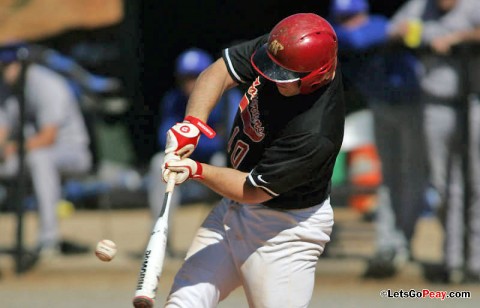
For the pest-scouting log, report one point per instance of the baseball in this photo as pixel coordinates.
(106, 250)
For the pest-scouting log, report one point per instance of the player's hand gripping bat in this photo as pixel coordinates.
(154, 256)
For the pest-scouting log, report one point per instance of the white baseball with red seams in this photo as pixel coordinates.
(106, 250)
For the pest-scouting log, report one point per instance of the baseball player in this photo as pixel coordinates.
(56, 140)
(444, 24)
(387, 79)
(275, 219)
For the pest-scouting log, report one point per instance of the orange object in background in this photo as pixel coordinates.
(364, 172)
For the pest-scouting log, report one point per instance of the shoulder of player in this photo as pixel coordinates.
(250, 44)
(237, 57)
(42, 79)
(40, 71)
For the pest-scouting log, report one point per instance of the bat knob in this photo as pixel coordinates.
(143, 302)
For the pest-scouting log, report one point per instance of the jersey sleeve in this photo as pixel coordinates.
(237, 59)
(290, 162)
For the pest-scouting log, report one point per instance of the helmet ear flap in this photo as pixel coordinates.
(318, 78)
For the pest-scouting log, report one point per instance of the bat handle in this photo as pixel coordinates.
(171, 182)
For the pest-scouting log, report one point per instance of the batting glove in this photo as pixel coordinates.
(182, 138)
(185, 168)
(169, 158)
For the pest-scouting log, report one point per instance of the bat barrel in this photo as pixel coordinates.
(153, 259)
(154, 256)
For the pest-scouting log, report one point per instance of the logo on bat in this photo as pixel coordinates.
(141, 278)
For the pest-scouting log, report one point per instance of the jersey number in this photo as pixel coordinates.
(240, 149)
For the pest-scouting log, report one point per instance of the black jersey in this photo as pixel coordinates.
(287, 144)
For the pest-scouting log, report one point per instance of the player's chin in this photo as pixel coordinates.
(288, 89)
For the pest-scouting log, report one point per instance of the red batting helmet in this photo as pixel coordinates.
(300, 47)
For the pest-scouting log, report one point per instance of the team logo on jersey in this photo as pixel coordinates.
(275, 47)
(250, 114)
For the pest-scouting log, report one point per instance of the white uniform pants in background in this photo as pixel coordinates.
(444, 140)
(46, 166)
(271, 253)
(400, 142)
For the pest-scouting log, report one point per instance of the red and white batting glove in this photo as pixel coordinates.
(182, 138)
(185, 168)
(169, 158)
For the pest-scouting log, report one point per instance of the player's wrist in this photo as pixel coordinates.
(198, 175)
(201, 125)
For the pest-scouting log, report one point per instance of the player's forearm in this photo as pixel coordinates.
(45, 138)
(33, 143)
(231, 183)
(468, 36)
(208, 90)
(37, 143)
(4, 133)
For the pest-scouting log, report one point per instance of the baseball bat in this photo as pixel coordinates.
(154, 256)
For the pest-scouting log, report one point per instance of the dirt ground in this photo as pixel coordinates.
(84, 281)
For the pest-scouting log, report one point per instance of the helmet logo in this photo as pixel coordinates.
(275, 47)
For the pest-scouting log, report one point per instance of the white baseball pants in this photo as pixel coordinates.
(271, 253)
(444, 141)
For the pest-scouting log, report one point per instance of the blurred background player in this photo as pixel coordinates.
(189, 64)
(57, 141)
(387, 79)
(440, 25)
